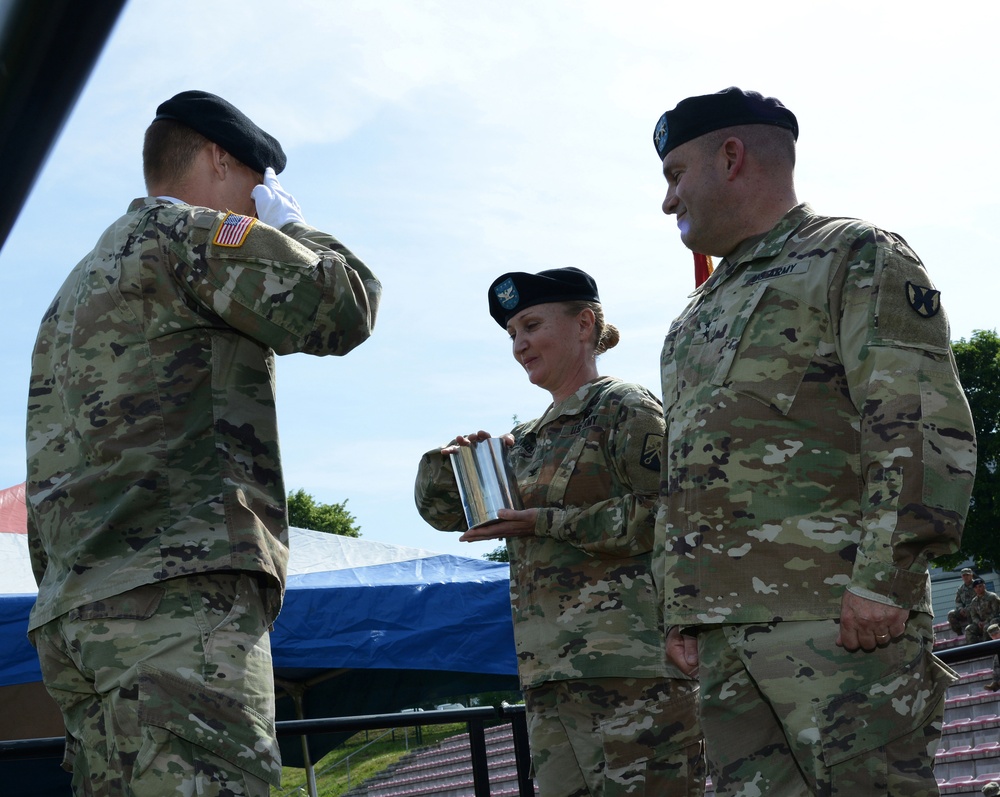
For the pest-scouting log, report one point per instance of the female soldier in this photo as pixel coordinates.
(606, 714)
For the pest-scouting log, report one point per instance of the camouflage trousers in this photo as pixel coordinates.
(787, 713)
(958, 619)
(608, 737)
(166, 689)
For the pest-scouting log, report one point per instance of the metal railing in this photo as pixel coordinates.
(475, 720)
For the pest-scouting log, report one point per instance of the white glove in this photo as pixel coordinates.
(275, 206)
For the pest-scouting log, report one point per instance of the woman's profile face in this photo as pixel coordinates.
(553, 347)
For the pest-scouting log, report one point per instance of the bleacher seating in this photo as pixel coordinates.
(445, 770)
(968, 755)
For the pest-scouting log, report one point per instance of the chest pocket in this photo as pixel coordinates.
(770, 347)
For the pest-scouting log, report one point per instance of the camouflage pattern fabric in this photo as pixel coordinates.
(615, 737)
(584, 603)
(817, 437)
(817, 440)
(583, 600)
(958, 617)
(985, 609)
(166, 690)
(788, 713)
(151, 436)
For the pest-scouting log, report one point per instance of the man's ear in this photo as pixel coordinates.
(220, 159)
(734, 155)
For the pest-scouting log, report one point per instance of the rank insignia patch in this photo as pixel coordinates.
(233, 230)
(507, 294)
(650, 457)
(925, 301)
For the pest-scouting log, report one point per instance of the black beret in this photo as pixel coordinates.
(512, 292)
(977, 581)
(224, 124)
(696, 116)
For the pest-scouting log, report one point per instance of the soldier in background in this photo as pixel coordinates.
(818, 452)
(958, 617)
(607, 715)
(993, 632)
(985, 609)
(156, 504)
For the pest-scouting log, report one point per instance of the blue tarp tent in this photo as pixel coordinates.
(366, 628)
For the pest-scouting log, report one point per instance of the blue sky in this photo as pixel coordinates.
(448, 142)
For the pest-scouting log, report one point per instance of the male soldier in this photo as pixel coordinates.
(993, 632)
(818, 452)
(985, 609)
(156, 505)
(958, 617)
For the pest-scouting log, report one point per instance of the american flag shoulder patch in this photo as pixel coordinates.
(234, 230)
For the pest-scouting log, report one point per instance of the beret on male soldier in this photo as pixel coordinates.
(695, 116)
(977, 582)
(513, 292)
(224, 124)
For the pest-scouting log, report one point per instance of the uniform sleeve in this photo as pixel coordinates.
(436, 493)
(918, 454)
(622, 525)
(306, 293)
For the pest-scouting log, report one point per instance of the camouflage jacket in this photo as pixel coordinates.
(817, 437)
(152, 448)
(964, 596)
(583, 600)
(985, 609)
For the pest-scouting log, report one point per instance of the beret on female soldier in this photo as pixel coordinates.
(224, 124)
(697, 116)
(513, 292)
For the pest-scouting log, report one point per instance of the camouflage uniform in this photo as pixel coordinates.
(607, 715)
(985, 609)
(817, 440)
(963, 600)
(153, 450)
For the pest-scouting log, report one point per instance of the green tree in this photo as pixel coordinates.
(498, 554)
(978, 362)
(305, 512)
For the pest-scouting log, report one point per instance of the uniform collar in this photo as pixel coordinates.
(574, 405)
(769, 244)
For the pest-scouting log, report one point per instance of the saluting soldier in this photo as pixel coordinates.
(156, 504)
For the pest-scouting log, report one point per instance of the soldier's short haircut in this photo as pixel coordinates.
(773, 146)
(168, 151)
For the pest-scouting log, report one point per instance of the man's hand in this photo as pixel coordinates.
(275, 206)
(682, 651)
(866, 624)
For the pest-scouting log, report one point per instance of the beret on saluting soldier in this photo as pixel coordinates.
(224, 124)
(696, 116)
(513, 292)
